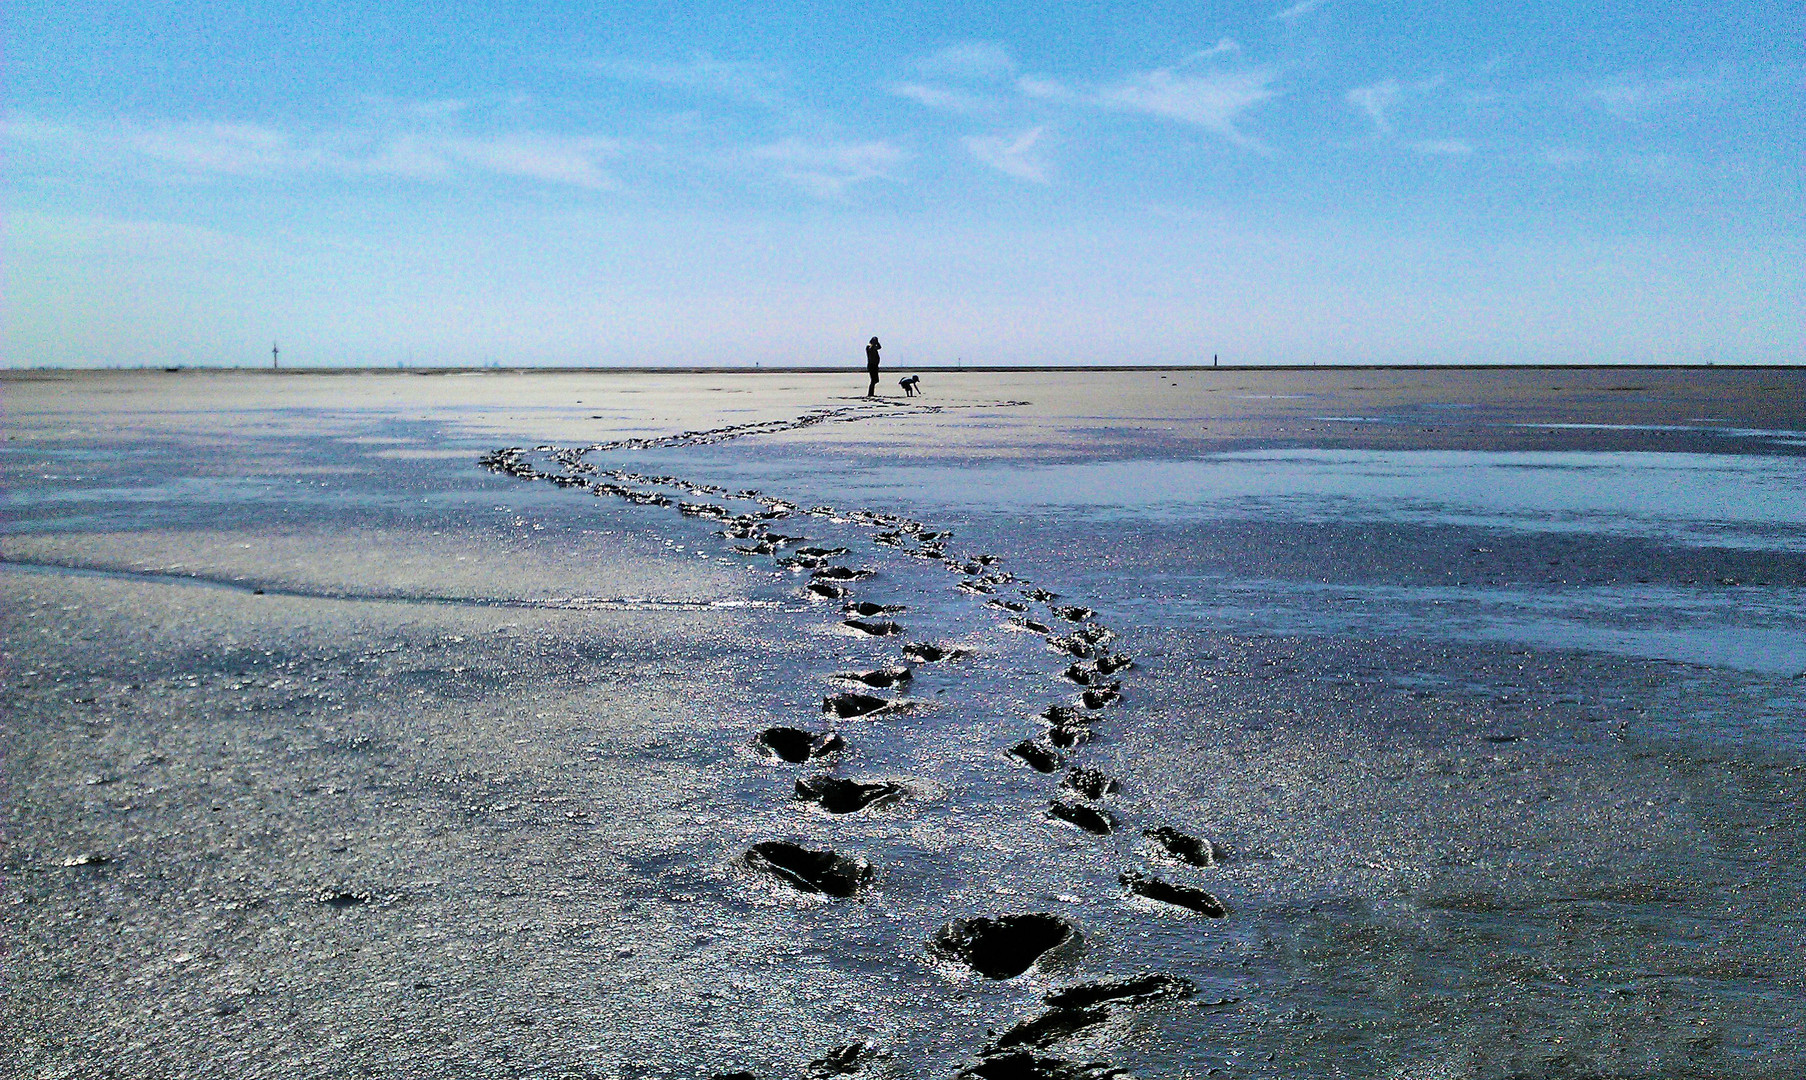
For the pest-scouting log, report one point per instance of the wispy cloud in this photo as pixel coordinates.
(1298, 10)
(1213, 102)
(828, 169)
(231, 149)
(1020, 155)
(1378, 99)
(1223, 47)
(969, 60)
(702, 73)
(552, 159)
(1443, 147)
(942, 98)
(1632, 95)
(198, 150)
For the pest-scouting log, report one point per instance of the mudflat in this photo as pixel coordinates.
(1283, 723)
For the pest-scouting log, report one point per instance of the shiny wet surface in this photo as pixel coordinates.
(466, 790)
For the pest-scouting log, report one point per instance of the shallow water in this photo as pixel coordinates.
(1505, 772)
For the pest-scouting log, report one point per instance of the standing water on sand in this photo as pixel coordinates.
(842, 738)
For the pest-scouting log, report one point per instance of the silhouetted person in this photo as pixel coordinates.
(871, 365)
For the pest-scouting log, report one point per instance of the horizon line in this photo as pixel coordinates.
(706, 369)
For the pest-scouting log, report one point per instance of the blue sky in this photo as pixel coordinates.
(1315, 182)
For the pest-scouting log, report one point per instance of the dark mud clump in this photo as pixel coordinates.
(838, 796)
(810, 871)
(1036, 756)
(1178, 895)
(1008, 605)
(1085, 817)
(1108, 665)
(1187, 849)
(1022, 1065)
(848, 705)
(1004, 947)
(1074, 614)
(1049, 1028)
(341, 898)
(931, 654)
(796, 746)
(830, 591)
(874, 627)
(883, 678)
(1090, 783)
(1137, 989)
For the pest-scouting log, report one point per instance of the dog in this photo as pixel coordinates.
(911, 384)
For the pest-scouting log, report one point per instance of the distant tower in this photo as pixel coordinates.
(274, 354)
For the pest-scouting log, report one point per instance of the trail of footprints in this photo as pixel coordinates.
(998, 946)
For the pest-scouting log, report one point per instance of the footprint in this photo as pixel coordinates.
(932, 654)
(1099, 696)
(868, 609)
(841, 573)
(1004, 947)
(1186, 849)
(883, 678)
(1036, 756)
(1090, 783)
(796, 746)
(810, 871)
(848, 705)
(1134, 990)
(1178, 895)
(1091, 820)
(839, 796)
(876, 628)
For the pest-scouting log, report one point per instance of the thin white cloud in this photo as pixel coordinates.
(1378, 99)
(199, 150)
(1630, 95)
(1213, 102)
(975, 60)
(553, 159)
(1037, 86)
(1020, 155)
(220, 148)
(701, 73)
(828, 169)
(1223, 47)
(1443, 147)
(941, 98)
(1299, 10)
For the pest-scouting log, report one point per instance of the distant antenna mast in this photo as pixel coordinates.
(275, 354)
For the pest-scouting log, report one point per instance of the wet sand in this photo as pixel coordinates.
(328, 750)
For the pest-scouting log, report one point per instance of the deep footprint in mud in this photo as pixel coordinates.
(809, 871)
(1178, 895)
(1197, 851)
(841, 796)
(1097, 822)
(1002, 947)
(849, 705)
(797, 746)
